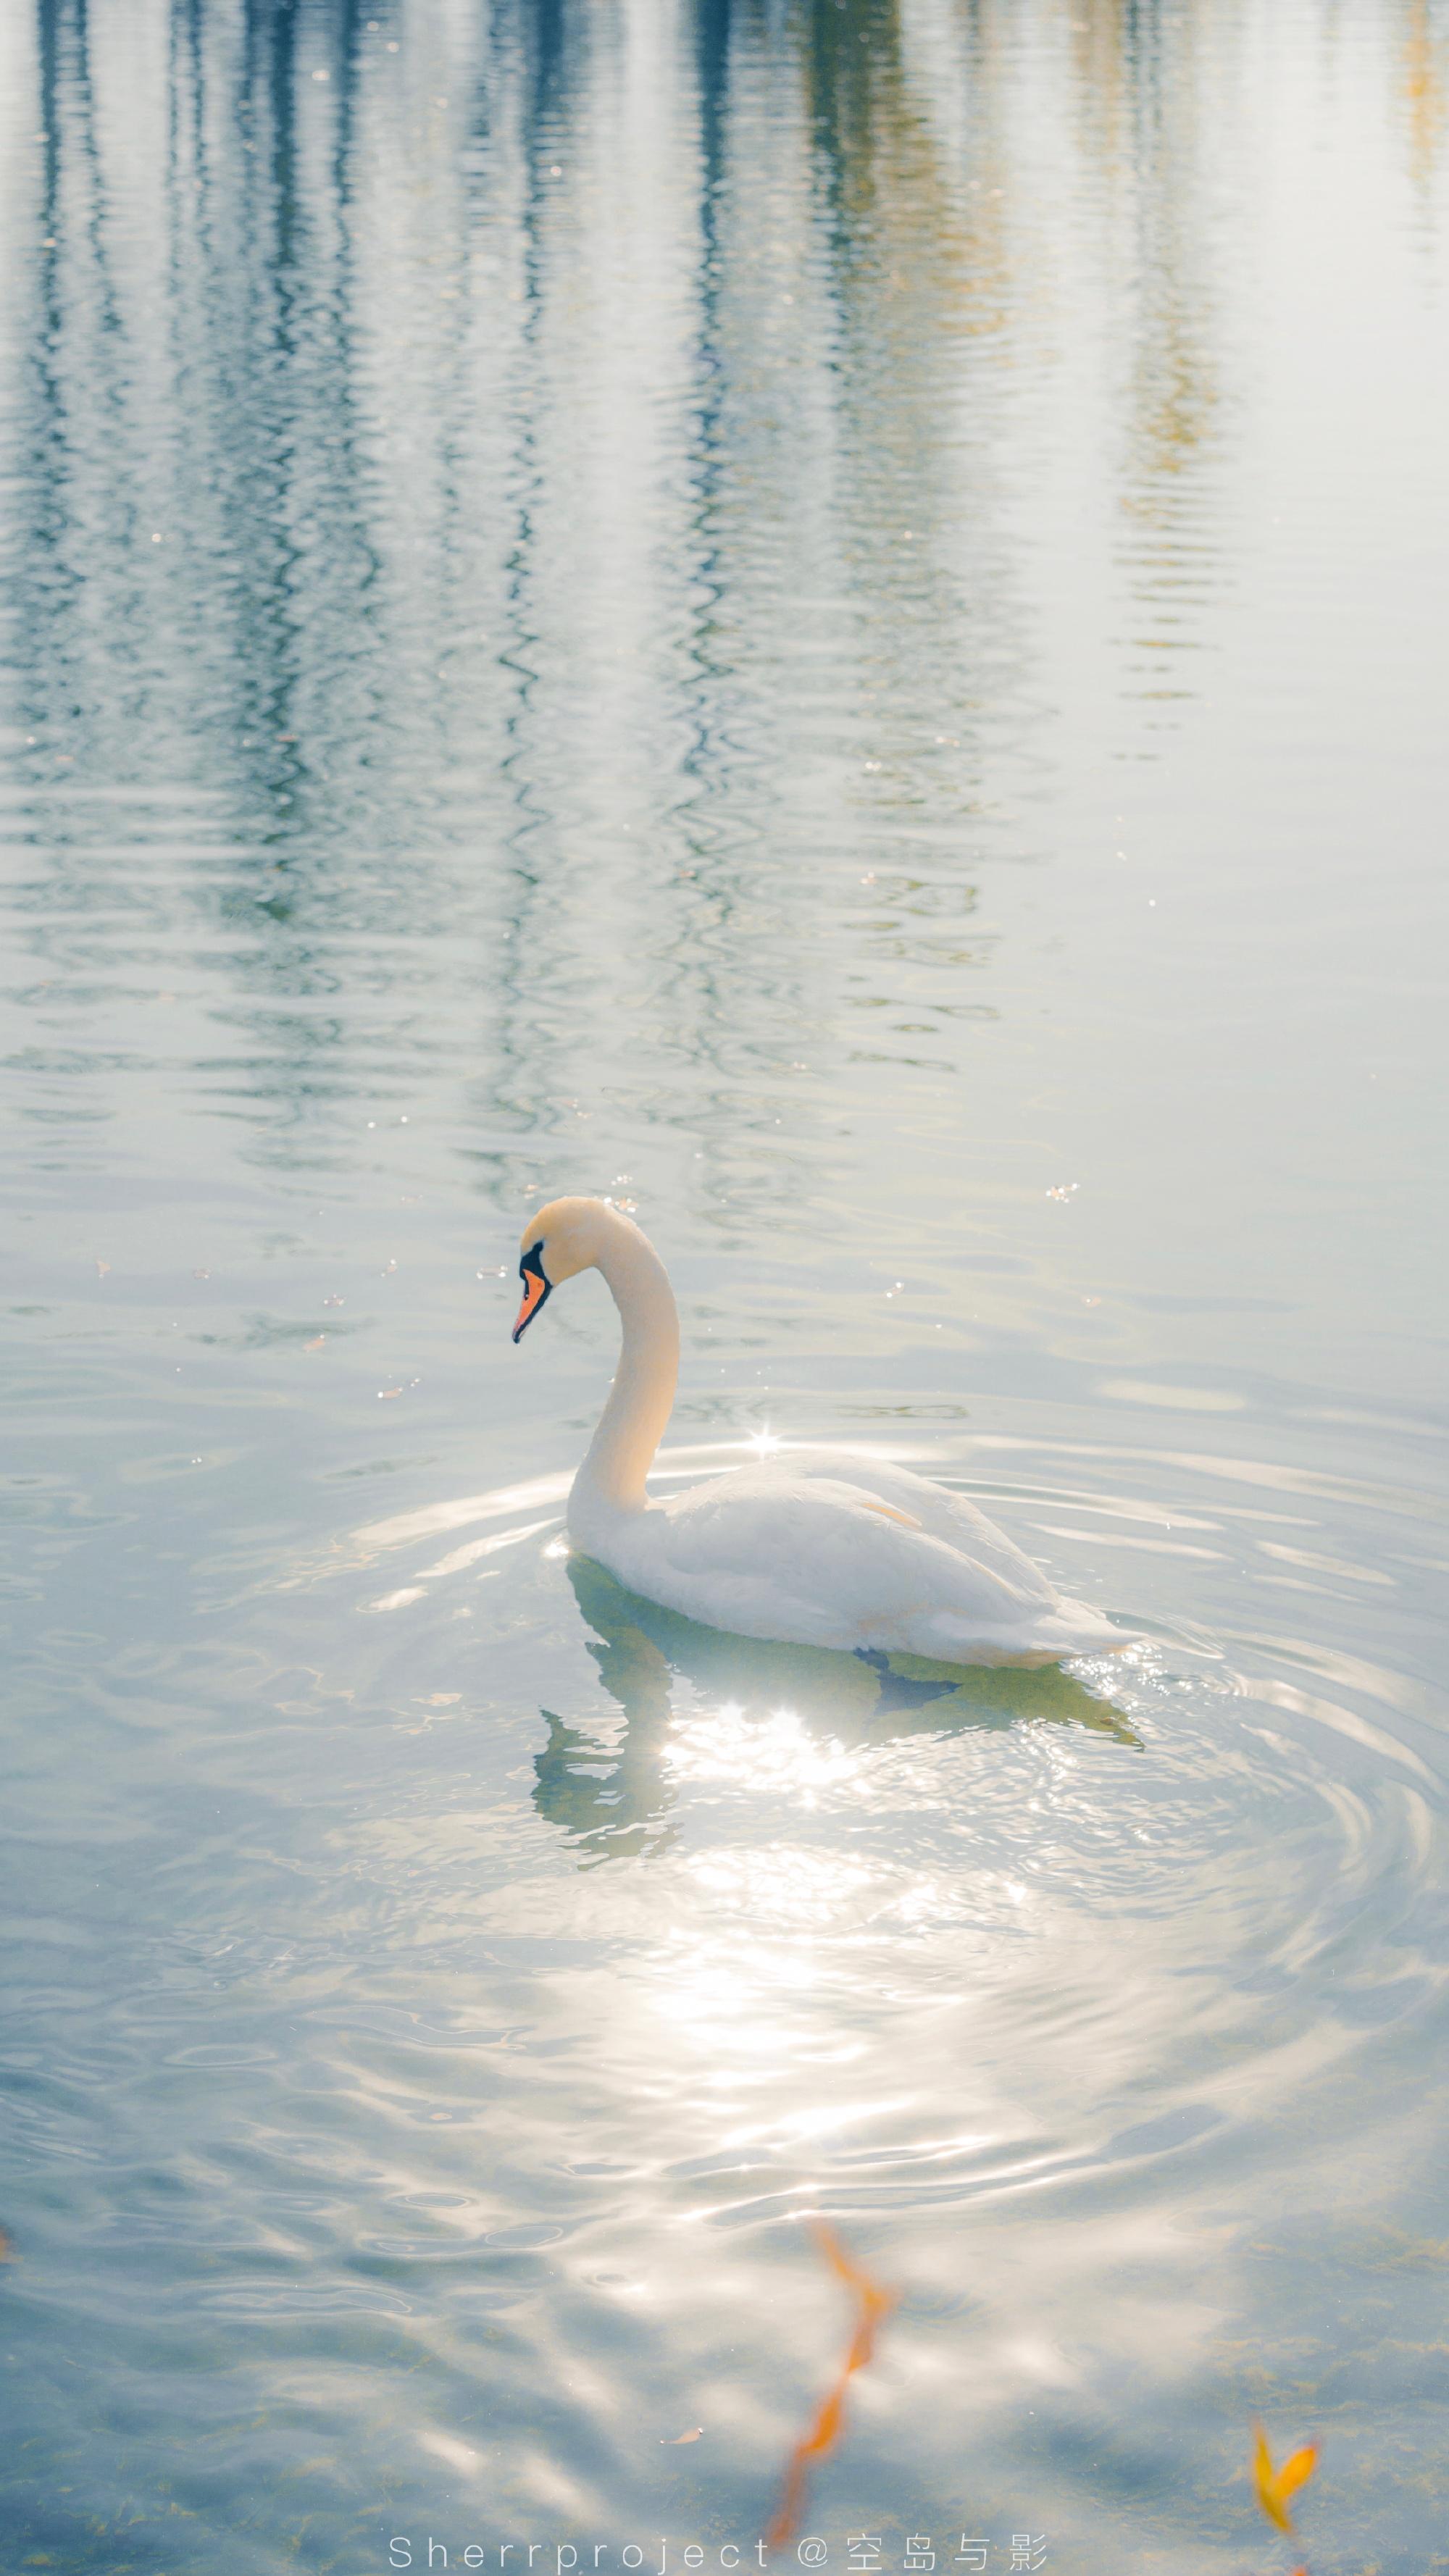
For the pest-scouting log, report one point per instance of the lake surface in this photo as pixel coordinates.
(828, 619)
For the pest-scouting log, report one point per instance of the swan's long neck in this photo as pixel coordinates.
(641, 1399)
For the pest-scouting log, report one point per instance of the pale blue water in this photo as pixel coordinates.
(829, 619)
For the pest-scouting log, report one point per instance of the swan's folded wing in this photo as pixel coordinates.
(817, 1557)
(941, 1512)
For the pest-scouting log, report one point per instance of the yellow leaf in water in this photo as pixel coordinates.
(872, 2304)
(1273, 2487)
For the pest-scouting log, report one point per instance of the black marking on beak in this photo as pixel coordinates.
(537, 1289)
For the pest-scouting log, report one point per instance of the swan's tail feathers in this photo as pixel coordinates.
(1072, 1629)
(1067, 1628)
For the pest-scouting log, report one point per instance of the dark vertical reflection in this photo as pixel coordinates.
(1155, 97)
(527, 525)
(1175, 392)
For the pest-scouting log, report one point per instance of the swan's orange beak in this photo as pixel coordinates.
(534, 1292)
(536, 1289)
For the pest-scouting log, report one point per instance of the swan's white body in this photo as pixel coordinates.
(810, 1548)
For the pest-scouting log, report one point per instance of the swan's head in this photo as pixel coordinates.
(564, 1238)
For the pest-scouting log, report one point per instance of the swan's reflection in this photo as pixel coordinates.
(613, 1799)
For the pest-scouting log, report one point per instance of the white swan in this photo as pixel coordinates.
(810, 1549)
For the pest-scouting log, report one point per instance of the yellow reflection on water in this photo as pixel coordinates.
(1425, 88)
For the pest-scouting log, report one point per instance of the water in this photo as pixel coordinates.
(828, 619)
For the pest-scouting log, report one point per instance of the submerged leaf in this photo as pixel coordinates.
(1273, 2487)
(873, 2304)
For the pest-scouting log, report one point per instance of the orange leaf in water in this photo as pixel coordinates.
(671, 2442)
(872, 2305)
(1273, 2487)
